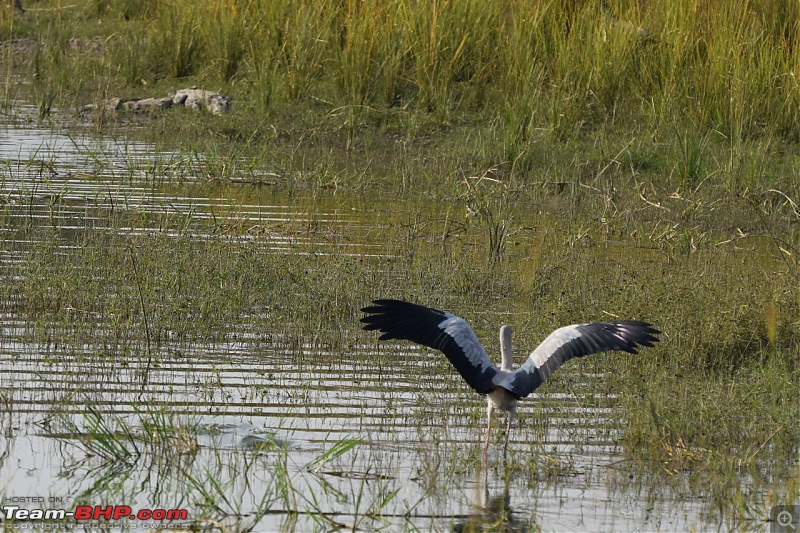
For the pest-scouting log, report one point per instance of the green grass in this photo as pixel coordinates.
(228, 487)
(696, 93)
(712, 403)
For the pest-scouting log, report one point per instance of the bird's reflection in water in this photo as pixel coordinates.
(492, 508)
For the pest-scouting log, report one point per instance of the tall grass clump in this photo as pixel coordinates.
(230, 36)
(176, 49)
(590, 71)
(726, 65)
(737, 62)
(296, 37)
(519, 121)
(559, 67)
(451, 48)
(370, 54)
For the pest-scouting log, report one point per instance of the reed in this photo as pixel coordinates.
(723, 65)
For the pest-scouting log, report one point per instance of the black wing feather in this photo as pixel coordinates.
(577, 341)
(436, 329)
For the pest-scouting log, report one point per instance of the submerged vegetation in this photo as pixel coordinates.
(540, 162)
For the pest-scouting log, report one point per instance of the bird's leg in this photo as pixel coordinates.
(508, 428)
(488, 426)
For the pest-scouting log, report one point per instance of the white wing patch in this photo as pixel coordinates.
(542, 356)
(553, 342)
(463, 335)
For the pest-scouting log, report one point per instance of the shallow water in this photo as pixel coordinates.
(421, 430)
(235, 395)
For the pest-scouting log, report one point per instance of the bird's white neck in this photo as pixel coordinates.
(505, 349)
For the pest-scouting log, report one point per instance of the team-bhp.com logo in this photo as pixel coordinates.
(93, 512)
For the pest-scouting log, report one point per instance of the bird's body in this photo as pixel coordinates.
(504, 386)
(500, 397)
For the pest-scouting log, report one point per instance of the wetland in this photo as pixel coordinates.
(179, 306)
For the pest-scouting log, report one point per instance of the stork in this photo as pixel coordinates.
(503, 386)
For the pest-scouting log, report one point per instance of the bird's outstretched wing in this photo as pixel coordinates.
(577, 340)
(436, 329)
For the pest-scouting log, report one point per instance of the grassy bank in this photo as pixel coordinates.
(679, 95)
(558, 68)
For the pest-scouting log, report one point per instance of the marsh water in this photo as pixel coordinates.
(263, 416)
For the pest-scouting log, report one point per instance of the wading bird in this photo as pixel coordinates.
(443, 331)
